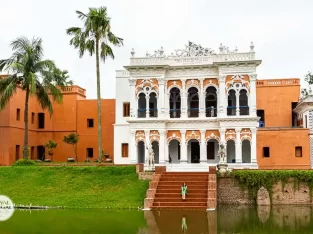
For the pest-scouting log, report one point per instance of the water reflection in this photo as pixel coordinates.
(226, 220)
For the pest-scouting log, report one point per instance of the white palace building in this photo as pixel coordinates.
(185, 104)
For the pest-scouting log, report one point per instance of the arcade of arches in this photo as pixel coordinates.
(196, 146)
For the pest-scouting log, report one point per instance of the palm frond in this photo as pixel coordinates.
(7, 89)
(105, 51)
(117, 41)
(43, 98)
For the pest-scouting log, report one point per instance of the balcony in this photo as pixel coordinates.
(153, 112)
(210, 112)
(231, 110)
(175, 113)
(244, 110)
(142, 113)
(193, 112)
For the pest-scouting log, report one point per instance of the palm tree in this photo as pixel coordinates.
(96, 38)
(28, 70)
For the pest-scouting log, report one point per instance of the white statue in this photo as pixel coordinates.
(222, 153)
(150, 158)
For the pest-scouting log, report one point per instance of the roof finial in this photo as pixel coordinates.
(132, 52)
(251, 46)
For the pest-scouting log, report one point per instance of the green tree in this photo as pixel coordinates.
(307, 90)
(72, 139)
(96, 38)
(28, 71)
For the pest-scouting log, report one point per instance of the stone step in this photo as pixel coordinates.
(179, 199)
(184, 178)
(185, 173)
(180, 204)
(178, 195)
(179, 207)
(180, 183)
(196, 186)
(190, 191)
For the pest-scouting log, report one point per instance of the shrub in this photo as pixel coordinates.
(24, 162)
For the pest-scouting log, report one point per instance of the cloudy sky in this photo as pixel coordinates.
(282, 32)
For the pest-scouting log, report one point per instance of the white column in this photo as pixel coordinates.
(183, 147)
(166, 150)
(160, 104)
(253, 146)
(167, 105)
(237, 104)
(184, 100)
(133, 147)
(222, 139)
(201, 100)
(147, 144)
(252, 95)
(238, 143)
(132, 98)
(162, 154)
(147, 106)
(222, 108)
(218, 102)
(203, 153)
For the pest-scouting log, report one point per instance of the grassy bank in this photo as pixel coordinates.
(73, 187)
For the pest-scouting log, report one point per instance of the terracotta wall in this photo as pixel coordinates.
(275, 98)
(70, 116)
(282, 143)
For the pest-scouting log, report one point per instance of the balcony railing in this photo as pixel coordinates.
(244, 110)
(153, 112)
(193, 112)
(175, 113)
(231, 110)
(142, 113)
(211, 112)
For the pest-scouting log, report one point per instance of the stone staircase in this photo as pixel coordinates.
(164, 191)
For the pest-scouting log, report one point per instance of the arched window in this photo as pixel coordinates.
(153, 105)
(175, 103)
(211, 102)
(231, 108)
(243, 102)
(193, 102)
(142, 105)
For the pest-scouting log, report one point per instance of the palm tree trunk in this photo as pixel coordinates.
(99, 103)
(25, 149)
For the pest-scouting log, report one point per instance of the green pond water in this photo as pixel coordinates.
(225, 220)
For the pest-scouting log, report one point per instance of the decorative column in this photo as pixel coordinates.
(147, 105)
(132, 98)
(184, 100)
(167, 104)
(222, 108)
(238, 156)
(183, 148)
(253, 146)
(162, 143)
(147, 143)
(160, 104)
(133, 147)
(237, 104)
(203, 149)
(252, 95)
(166, 150)
(201, 100)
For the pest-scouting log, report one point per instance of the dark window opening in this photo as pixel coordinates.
(124, 150)
(298, 151)
(18, 114)
(294, 116)
(210, 150)
(266, 152)
(41, 120)
(126, 109)
(33, 118)
(32, 152)
(90, 123)
(90, 152)
(178, 150)
(41, 152)
(260, 113)
(17, 152)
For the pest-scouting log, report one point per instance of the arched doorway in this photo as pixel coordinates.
(174, 151)
(246, 151)
(243, 102)
(210, 102)
(155, 147)
(142, 105)
(212, 150)
(141, 152)
(193, 102)
(175, 103)
(153, 105)
(231, 151)
(231, 108)
(193, 151)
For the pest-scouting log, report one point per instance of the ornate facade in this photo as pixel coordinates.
(186, 104)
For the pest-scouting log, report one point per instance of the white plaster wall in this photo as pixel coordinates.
(122, 95)
(121, 135)
(246, 151)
